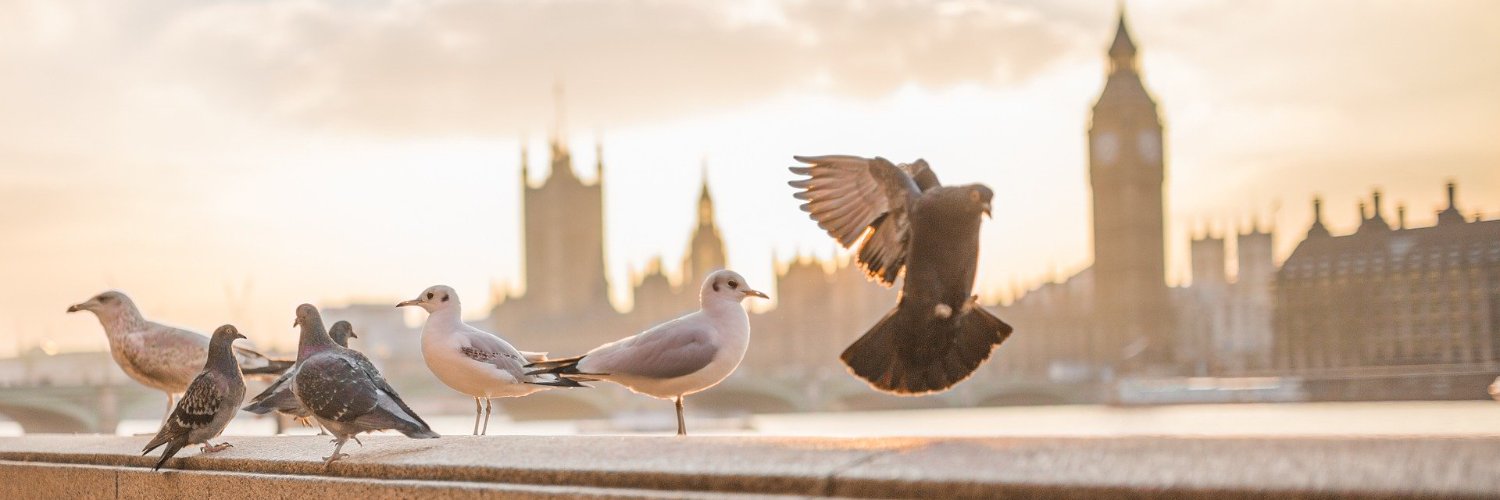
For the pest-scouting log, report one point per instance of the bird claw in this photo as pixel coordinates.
(329, 460)
(215, 448)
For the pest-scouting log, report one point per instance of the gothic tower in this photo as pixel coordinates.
(1133, 316)
(564, 231)
(706, 252)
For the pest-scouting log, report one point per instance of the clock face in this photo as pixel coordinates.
(1106, 147)
(1149, 146)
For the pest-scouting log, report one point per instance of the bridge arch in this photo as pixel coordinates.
(62, 418)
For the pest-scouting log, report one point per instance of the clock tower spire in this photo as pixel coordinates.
(1133, 318)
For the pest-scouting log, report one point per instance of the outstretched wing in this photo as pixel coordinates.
(863, 203)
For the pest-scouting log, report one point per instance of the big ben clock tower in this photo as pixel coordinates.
(1133, 328)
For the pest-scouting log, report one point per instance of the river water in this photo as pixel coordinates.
(1447, 418)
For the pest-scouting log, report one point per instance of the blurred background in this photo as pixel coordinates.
(1240, 213)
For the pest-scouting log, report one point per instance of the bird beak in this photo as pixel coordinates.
(757, 293)
(240, 336)
(411, 302)
(297, 322)
(987, 211)
(352, 335)
(75, 308)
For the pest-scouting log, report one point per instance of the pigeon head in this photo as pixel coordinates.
(727, 285)
(227, 333)
(979, 197)
(221, 349)
(107, 304)
(341, 332)
(969, 199)
(434, 298)
(306, 313)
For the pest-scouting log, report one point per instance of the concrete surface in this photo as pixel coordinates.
(710, 467)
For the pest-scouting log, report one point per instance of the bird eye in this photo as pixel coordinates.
(974, 196)
(732, 284)
(102, 298)
(429, 295)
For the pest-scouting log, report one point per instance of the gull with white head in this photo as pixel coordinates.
(680, 357)
(477, 363)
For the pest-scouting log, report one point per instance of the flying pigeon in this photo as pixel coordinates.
(278, 396)
(677, 358)
(160, 356)
(344, 391)
(901, 217)
(209, 403)
(473, 361)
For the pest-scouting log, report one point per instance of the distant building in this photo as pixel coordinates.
(1117, 316)
(565, 308)
(1386, 298)
(1224, 325)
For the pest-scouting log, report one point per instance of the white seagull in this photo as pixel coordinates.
(677, 358)
(473, 361)
(159, 356)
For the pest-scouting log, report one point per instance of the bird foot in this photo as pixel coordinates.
(215, 448)
(336, 457)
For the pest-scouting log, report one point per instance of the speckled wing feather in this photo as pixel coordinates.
(486, 348)
(863, 203)
(345, 387)
(196, 410)
(169, 356)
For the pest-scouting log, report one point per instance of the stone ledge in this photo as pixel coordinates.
(668, 466)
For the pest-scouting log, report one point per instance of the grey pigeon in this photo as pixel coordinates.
(159, 356)
(901, 217)
(209, 403)
(344, 391)
(278, 396)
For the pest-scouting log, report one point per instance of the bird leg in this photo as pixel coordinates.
(329, 460)
(486, 429)
(681, 424)
(477, 411)
(171, 402)
(214, 448)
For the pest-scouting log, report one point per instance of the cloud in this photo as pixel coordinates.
(472, 67)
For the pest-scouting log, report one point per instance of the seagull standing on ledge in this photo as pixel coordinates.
(209, 403)
(473, 361)
(901, 217)
(159, 356)
(677, 358)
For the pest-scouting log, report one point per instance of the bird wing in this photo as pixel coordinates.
(195, 410)
(534, 357)
(485, 347)
(673, 349)
(863, 203)
(171, 356)
(335, 387)
(921, 174)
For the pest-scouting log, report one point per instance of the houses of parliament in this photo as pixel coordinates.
(1382, 302)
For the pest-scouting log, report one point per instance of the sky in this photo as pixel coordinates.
(224, 161)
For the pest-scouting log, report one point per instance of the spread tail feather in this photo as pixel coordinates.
(912, 353)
